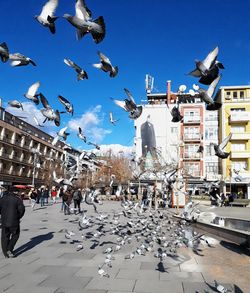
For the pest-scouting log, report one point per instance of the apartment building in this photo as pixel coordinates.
(235, 118)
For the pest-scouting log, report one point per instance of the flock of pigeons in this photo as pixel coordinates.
(133, 232)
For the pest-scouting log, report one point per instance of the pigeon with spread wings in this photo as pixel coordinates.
(218, 148)
(81, 135)
(84, 24)
(95, 145)
(111, 118)
(48, 112)
(61, 133)
(18, 59)
(105, 65)
(81, 74)
(129, 105)
(68, 106)
(47, 18)
(208, 69)
(32, 93)
(15, 104)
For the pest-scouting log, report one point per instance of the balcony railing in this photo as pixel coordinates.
(191, 119)
(192, 137)
(239, 116)
(192, 156)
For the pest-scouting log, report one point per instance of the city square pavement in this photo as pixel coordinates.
(47, 262)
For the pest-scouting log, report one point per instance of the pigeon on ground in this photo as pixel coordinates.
(4, 52)
(32, 93)
(81, 74)
(47, 18)
(68, 106)
(79, 247)
(15, 104)
(48, 112)
(61, 133)
(18, 59)
(81, 135)
(84, 24)
(37, 122)
(95, 145)
(129, 105)
(106, 65)
(207, 96)
(208, 69)
(111, 118)
(219, 148)
(102, 273)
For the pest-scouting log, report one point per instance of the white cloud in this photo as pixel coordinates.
(115, 149)
(90, 122)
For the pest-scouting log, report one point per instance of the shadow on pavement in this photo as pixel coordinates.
(34, 242)
(235, 247)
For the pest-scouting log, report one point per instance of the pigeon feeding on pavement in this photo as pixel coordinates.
(81, 74)
(105, 65)
(84, 24)
(47, 18)
(129, 105)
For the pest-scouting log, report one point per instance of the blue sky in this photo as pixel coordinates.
(162, 38)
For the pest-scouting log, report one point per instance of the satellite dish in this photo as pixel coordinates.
(182, 88)
(191, 92)
(195, 87)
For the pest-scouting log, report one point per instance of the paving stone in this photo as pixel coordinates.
(191, 287)
(34, 289)
(149, 286)
(154, 266)
(180, 276)
(93, 272)
(5, 284)
(70, 290)
(111, 284)
(77, 255)
(137, 275)
(57, 270)
(65, 281)
(51, 261)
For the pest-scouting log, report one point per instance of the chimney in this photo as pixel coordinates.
(169, 91)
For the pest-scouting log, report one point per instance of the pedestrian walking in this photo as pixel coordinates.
(67, 202)
(46, 195)
(42, 196)
(12, 210)
(77, 198)
(33, 197)
(144, 201)
(53, 194)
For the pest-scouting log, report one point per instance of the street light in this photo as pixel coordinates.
(35, 164)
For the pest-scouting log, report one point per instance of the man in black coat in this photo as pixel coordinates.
(11, 210)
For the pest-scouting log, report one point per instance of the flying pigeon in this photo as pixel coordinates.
(208, 69)
(84, 24)
(68, 106)
(207, 96)
(63, 181)
(47, 18)
(48, 112)
(62, 133)
(37, 122)
(32, 93)
(111, 118)
(219, 148)
(81, 74)
(129, 105)
(4, 52)
(81, 135)
(94, 144)
(170, 177)
(15, 104)
(200, 149)
(18, 59)
(106, 65)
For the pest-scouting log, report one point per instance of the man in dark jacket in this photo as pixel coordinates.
(11, 210)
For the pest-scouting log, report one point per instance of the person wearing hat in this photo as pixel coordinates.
(11, 210)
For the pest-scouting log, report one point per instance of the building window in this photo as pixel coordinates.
(211, 133)
(212, 168)
(238, 129)
(242, 94)
(238, 147)
(228, 94)
(235, 95)
(209, 150)
(239, 165)
(174, 130)
(238, 109)
(192, 169)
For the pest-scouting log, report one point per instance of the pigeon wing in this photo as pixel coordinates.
(44, 101)
(111, 117)
(72, 64)
(103, 58)
(55, 140)
(195, 73)
(49, 9)
(80, 130)
(15, 63)
(211, 57)
(121, 104)
(82, 10)
(130, 96)
(225, 141)
(61, 131)
(33, 89)
(213, 86)
(63, 100)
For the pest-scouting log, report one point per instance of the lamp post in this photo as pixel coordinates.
(36, 153)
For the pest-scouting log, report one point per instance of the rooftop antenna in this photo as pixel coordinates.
(149, 83)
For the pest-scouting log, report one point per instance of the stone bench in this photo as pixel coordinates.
(239, 202)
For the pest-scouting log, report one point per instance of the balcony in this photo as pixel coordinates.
(240, 155)
(191, 156)
(240, 136)
(191, 119)
(239, 116)
(192, 137)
